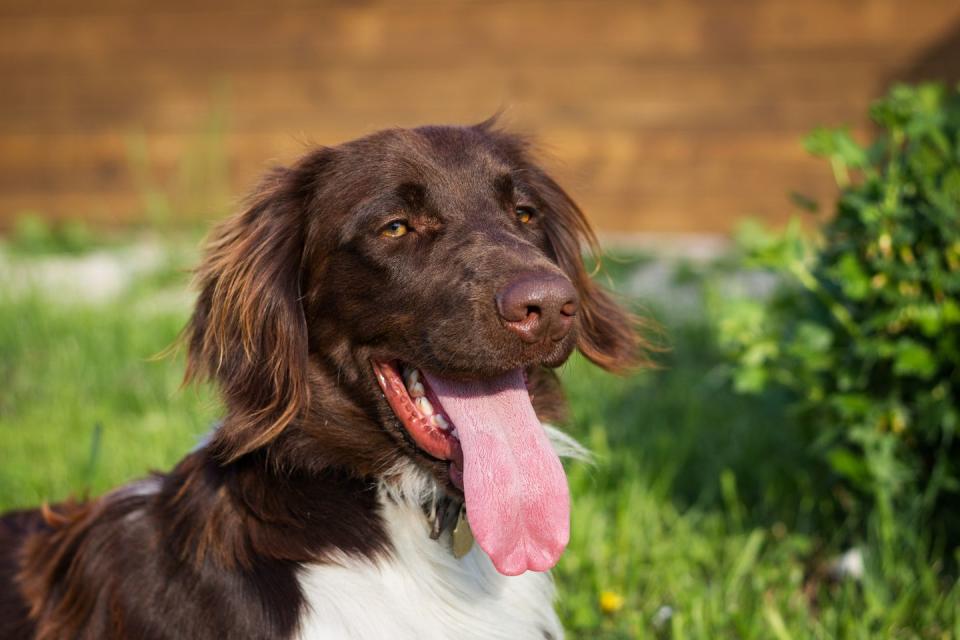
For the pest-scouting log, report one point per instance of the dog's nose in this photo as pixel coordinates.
(538, 305)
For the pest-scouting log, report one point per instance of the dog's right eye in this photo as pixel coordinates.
(525, 214)
(395, 229)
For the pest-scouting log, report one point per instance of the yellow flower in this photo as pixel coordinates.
(610, 601)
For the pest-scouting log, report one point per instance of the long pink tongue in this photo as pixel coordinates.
(518, 503)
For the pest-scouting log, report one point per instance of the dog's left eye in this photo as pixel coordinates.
(395, 229)
(525, 214)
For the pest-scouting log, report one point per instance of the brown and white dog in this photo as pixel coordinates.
(382, 321)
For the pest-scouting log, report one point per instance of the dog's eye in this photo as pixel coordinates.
(525, 214)
(395, 229)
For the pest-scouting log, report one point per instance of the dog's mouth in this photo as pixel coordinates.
(419, 410)
(514, 486)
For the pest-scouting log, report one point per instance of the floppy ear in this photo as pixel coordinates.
(248, 332)
(608, 333)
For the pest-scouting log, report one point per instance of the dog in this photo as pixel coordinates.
(382, 320)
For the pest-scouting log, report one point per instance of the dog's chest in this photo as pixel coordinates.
(422, 592)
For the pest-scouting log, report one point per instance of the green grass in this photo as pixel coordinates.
(702, 511)
(705, 502)
(83, 405)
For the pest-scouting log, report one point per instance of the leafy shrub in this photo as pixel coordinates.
(863, 328)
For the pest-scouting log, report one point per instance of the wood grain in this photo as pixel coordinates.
(680, 115)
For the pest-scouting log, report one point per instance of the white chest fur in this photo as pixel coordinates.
(422, 592)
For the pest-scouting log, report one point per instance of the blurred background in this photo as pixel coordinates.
(789, 470)
(656, 114)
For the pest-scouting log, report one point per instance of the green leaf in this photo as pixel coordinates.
(851, 466)
(912, 358)
(853, 279)
(750, 379)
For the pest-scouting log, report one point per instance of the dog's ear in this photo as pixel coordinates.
(609, 335)
(248, 332)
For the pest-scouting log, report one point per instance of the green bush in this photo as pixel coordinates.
(863, 327)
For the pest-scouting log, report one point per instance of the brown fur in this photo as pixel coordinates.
(297, 293)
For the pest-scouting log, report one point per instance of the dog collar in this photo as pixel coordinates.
(449, 514)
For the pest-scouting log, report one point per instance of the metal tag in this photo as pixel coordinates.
(462, 536)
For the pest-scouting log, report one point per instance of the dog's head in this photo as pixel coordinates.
(392, 299)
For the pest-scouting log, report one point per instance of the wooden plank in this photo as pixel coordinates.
(418, 30)
(669, 115)
(759, 94)
(625, 180)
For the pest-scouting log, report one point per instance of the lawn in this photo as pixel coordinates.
(698, 519)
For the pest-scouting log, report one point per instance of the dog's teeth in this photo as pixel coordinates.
(424, 406)
(412, 376)
(441, 422)
(454, 433)
(417, 390)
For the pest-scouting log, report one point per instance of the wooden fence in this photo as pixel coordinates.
(662, 115)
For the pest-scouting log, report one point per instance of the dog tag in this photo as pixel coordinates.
(462, 536)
